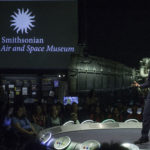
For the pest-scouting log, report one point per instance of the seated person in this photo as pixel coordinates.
(7, 117)
(74, 117)
(6, 132)
(53, 119)
(39, 118)
(134, 114)
(21, 124)
(96, 115)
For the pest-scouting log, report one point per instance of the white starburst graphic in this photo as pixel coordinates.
(22, 21)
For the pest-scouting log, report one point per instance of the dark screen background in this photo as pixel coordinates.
(55, 22)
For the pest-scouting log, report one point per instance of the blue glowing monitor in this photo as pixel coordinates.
(56, 83)
(70, 100)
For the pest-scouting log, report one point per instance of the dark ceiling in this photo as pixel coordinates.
(117, 30)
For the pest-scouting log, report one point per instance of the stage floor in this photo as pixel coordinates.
(111, 132)
(106, 135)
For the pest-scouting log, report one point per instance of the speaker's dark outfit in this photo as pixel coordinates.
(146, 112)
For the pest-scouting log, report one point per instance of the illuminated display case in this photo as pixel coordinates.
(24, 85)
(32, 86)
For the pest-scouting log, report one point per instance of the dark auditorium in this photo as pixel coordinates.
(74, 75)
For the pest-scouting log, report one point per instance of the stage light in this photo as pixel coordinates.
(49, 142)
(131, 120)
(130, 146)
(62, 143)
(87, 121)
(109, 121)
(45, 138)
(59, 75)
(90, 145)
(68, 123)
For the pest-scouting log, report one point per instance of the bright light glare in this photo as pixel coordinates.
(130, 146)
(45, 138)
